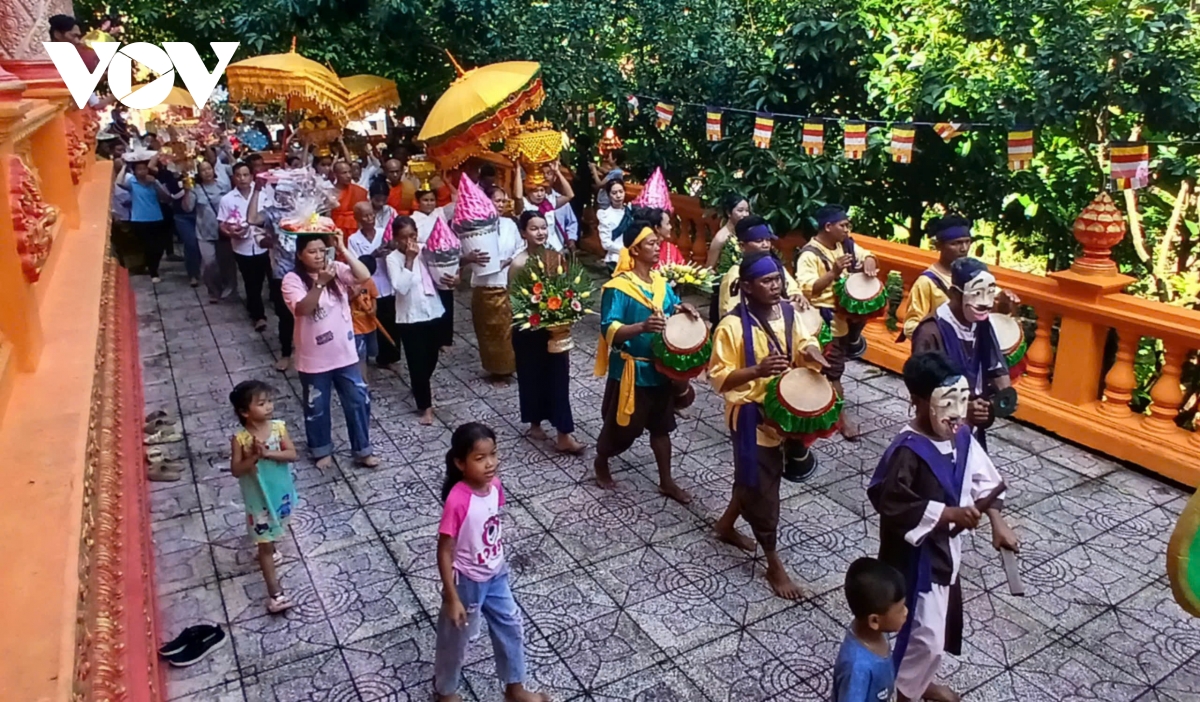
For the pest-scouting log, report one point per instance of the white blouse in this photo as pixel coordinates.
(510, 244)
(607, 220)
(413, 304)
(360, 246)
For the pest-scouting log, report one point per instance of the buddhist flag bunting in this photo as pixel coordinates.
(764, 127)
(856, 140)
(1020, 149)
(814, 138)
(902, 143)
(591, 115)
(665, 114)
(948, 130)
(712, 126)
(1130, 165)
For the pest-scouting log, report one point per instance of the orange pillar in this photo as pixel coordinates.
(1079, 361)
(53, 163)
(19, 320)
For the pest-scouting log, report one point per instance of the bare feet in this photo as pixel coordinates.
(325, 463)
(603, 476)
(260, 325)
(426, 417)
(849, 429)
(940, 693)
(673, 491)
(517, 693)
(536, 431)
(283, 364)
(569, 444)
(781, 583)
(448, 698)
(733, 537)
(371, 461)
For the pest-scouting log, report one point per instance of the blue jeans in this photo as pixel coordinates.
(493, 599)
(356, 403)
(185, 226)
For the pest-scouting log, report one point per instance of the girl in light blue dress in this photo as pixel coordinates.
(262, 462)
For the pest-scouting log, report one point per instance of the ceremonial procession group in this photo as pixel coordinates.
(361, 257)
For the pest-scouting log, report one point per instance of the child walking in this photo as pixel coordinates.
(863, 671)
(362, 311)
(262, 462)
(473, 569)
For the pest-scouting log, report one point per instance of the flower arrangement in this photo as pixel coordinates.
(688, 275)
(544, 298)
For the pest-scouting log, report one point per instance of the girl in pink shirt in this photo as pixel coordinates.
(474, 571)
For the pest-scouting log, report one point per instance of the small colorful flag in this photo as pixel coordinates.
(633, 103)
(665, 114)
(948, 130)
(764, 127)
(855, 140)
(712, 126)
(1020, 149)
(902, 143)
(1130, 164)
(813, 138)
(591, 115)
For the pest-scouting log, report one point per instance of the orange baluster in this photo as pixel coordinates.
(1166, 395)
(1121, 380)
(1041, 354)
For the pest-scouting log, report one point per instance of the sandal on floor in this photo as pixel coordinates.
(279, 603)
(277, 558)
(160, 414)
(159, 424)
(165, 472)
(167, 435)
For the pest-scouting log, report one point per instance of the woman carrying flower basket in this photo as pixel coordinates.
(540, 294)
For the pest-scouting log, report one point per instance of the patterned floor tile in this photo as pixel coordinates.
(737, 667)
(682, 619)
(658, 684)
(604, 649)
(396, 665)
(322, 678)
(362, 591)
(179, 610)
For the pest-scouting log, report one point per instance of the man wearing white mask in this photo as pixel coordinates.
(934, 481)
(961, 330)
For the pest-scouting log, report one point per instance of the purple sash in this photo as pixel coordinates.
(745, 431)
(919, 574)
(987, 354)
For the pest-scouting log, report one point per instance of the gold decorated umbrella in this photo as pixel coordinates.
(368, 94)
(303, 84)
(178, 97)
(482, 106)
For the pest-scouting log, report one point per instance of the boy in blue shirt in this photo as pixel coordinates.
(863, 671)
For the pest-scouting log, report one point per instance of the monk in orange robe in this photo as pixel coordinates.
(348, 194)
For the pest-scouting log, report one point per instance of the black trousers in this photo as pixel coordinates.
(385, 312)
(421, 344)
(445, 328)
(155, 238)
(254, 270)
(543, 381)
(287, 323)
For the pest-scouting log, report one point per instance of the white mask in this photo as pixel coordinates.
(979, 295)
(948, 407)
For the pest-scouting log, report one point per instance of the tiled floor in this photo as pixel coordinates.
(625, 595)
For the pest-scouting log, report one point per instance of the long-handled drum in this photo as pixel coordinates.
(1011, 338)
(681, 352)
(801, 404)
(816, 325)
(860, 296)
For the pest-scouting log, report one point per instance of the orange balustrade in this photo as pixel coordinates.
(1066, 388)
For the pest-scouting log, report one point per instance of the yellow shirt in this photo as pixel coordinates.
(728, 355)
(810, 267)
(923, 299)
(729, 299)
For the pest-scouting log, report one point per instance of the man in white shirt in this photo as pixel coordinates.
(369, 241)
(252, 259)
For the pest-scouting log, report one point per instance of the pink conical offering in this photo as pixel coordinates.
(442, 250)
(655, 194)
(472, 205)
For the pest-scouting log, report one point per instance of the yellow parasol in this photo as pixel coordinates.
(302, 83)
(369, 93)
(178, 97)
(482, 106)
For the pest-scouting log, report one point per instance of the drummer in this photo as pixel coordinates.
(634, 306)
(754, 234)
(952, 238)
(824, 259)
(751, 346)
(960, 329)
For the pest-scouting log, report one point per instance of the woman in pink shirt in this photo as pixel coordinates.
(318, 294)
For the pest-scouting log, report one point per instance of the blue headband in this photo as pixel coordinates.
(964, 270)
(759, 232)
(759, 268)
(832, 217)
(953, 234)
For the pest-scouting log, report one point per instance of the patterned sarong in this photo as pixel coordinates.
(492, 317)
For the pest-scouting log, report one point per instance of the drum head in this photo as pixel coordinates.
(805, 392)
(684, 335)
(1008, 332)
(863, 287)
(812, 320)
